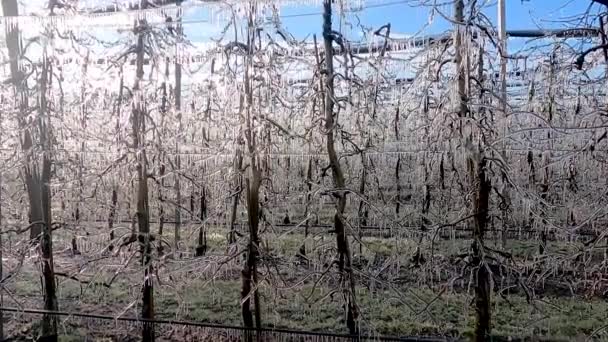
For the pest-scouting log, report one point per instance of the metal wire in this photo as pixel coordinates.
(268, 334)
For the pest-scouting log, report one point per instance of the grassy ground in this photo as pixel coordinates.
(410, 312)
(185, 289)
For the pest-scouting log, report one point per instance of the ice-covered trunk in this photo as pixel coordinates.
(178, 107)
(42, 193)
(114, 204)
(482, 284)
(201, 247)
(112, 216)
(37, 166)
(302, 251)
(398, 164)
(544, 186)
(418, 257)
(237, 182)
(503, 121)
(192, 213)
(178, 211)
(1, 246)
(344, 255)
(161, 161)
(604, 36)
(363, 212)
(249, 275)
(81, 156)
(442, 172)
(249, 288)
(161, 204)
(13, 43)
(237, 189)
(138, 120)
(478, 181)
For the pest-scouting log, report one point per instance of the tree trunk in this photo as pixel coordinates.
(13, 43)
(161, 160)
(178, 107)
(302, 251)
(201, 248)
(344, 255)
(83, 125)
(604, 33)
(398, 164)
(178, 202)
(113, 207)
(476, 167)
(192, 213)
(482, 285)
(37, 169)
(249, 276)
(143, 209)
(1, 246)
(418, 257)
(49, 322)
(363, 213)
(238, 186)
(442, 172)
(161, 209)
(506, 186)
(112, 217)
(531, 185)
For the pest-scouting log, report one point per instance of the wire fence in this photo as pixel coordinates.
(22, 323)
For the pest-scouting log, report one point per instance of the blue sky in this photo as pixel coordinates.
(407, 18)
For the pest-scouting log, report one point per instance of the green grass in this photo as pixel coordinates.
(407, 309)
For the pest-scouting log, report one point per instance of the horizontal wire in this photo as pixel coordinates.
(295, 155)
(211, 325)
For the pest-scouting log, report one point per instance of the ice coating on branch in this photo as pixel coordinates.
(107, 14)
